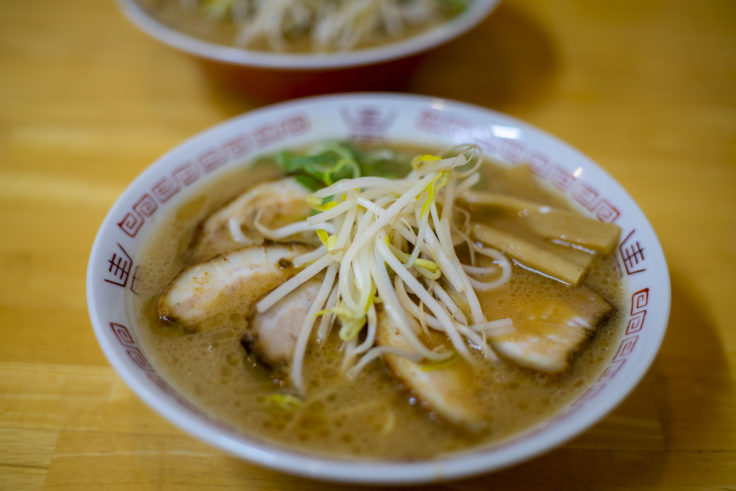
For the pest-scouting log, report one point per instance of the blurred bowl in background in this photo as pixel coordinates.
(277, 75)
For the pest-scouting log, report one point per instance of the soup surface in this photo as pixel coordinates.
(371, 415)
(303, 26)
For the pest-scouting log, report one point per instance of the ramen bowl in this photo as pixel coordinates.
(114, 274)
(273, 75)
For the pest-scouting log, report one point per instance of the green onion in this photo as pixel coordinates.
(454, 7)
(217, 9)
(438, 365)
(325, 164)
(286, 402)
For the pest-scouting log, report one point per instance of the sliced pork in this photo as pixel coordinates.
(443, 389)
(550, 330)
(227, 283)
(271, 204)
(272, 334)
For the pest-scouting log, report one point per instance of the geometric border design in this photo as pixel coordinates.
(209, 160)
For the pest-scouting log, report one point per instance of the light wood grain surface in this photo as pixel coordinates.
(647, 89)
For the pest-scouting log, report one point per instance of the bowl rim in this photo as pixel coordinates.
(476, 13)
(518, 447)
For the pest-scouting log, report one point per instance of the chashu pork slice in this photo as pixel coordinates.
(447, 390)
(272, 335)
(549, 331)
(228, 283)
(273, 204)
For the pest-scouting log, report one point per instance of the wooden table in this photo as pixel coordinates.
(647, 89)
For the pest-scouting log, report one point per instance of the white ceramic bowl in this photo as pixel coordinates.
(277, 76)
(393, 117)
(476, 12)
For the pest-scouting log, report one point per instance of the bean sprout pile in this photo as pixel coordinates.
(394, 242)
(331, 25)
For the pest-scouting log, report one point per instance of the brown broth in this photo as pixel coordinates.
(373, 416)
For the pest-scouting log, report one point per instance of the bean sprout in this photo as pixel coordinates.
(335, 25)
(371, 229)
